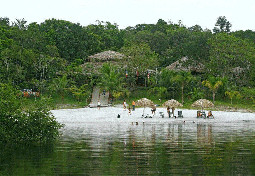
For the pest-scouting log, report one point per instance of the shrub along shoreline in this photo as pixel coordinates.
(33, 125)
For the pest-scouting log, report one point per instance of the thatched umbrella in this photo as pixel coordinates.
(144, 102)
(172, 104)
(203, 103)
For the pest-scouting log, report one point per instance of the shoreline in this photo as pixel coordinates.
(233, 109)
(216, 108)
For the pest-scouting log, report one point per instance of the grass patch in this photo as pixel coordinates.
(69, 102)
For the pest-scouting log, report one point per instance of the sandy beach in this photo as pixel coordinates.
(78, 118)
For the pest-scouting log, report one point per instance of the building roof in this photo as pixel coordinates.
(186, 64)
(96, 61)
(106, 56)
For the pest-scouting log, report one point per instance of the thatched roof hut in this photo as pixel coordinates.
(237, 70)
(186, 64)
(106, 56)
(94, 63)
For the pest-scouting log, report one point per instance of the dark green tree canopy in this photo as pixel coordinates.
(33, 55)
(222, 25)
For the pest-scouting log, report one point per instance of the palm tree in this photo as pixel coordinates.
(59, 85)
(111, 80)
(160, 92)
(183, 78)
(213, 85)
(231, 94)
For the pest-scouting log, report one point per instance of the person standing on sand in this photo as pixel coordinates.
(124, 104)
(98, 104)
(153, 110)
(133, 104)
(168, 111)
(173, 111)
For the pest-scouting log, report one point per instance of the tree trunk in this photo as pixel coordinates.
(182, 93)
(213, 97)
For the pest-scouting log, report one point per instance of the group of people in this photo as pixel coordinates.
(125, 105)
(153, 109)
(129, 108)
(168, 111)
(202, 114)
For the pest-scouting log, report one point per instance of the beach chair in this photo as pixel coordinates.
(180, 114)
(161, 114)
(203, 114)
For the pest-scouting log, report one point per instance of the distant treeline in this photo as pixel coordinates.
(48, 56)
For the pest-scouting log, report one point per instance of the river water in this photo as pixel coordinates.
(96, 142)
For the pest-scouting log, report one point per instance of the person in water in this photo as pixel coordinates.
(129, 110)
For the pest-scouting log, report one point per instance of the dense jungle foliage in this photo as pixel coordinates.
(49, 58)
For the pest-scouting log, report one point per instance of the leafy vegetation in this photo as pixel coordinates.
(50, 58)
(25, 126)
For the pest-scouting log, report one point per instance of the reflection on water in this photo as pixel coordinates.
(186, 148)
(204, 134)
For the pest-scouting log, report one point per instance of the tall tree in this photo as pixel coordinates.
(157, 41)
(233, 94)
(111, 80)
(140, 57)
(231, 57)
(222, 25)
(213, 84)
(182, 78)
(196, 28)
(5, 22)
(59, 85)
(71, 40)
(108, 35)
(161, 26)
(248, 34)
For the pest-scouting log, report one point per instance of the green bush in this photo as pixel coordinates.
(35, 125)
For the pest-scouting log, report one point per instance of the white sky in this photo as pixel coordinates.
(240, 13)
